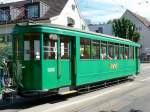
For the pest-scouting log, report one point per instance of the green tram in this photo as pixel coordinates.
(55, 57)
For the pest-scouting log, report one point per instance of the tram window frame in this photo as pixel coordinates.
(33, 52)
(131, 52)
(126, 53)
(95, 49)
(63, 50)
(110, 54)
(84, 44)
(103, 50)
(50, 53)
(116, 52)
(121, 51)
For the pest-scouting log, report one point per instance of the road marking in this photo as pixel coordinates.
(148, 78)
(86, 99)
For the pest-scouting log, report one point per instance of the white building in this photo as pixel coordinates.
(101, 28)
(61, 12)
(143, 27)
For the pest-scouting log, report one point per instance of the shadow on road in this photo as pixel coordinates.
(24, 103)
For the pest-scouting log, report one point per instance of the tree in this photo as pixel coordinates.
(5, 50)
(124, 28)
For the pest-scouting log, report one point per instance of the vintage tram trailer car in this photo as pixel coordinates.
(54, 57)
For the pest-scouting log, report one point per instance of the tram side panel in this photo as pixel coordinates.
(90, 71)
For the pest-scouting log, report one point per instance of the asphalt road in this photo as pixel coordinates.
(125, 97)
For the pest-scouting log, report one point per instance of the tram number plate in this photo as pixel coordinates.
(51, 69)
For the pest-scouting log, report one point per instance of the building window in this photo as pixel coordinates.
(33, 11)
(73, 7)
(71, 22)
(83, 27)
(4, 14)
(99, 30)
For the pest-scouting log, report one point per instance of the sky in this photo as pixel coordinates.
(100, 11)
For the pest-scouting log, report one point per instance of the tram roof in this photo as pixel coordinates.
(77, 30)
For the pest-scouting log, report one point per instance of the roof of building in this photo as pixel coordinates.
(55, 6)
(142, 19)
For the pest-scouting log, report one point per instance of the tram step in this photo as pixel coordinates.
(68, 92)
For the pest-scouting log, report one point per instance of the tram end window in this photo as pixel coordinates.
(31, 46)
(50, 46)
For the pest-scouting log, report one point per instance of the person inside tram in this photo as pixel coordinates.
(52, 56)
(121, 55)
(126, 55)
(116, 55)
(65, 56)
(85, 54)
(103, 54)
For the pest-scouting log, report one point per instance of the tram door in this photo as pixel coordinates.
(31, 61)
(57, 61)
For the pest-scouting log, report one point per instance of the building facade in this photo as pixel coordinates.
(101, 28)
(143, 27)
(60, 12)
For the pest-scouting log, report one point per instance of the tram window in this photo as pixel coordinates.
(26, 50)
(131, 53)
(64, 48)
(85, 48)
(110, 51)
(126, 54)
(50, 46)
(103, 50)
(95, 49)
(32, 46)
(116, 50)
(121, 52)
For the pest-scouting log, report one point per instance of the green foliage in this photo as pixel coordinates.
(5, 50)
(124, 28)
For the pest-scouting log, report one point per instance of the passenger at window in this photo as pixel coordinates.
(65, 56)
(116, 55)
(52, 55)
(110, 58)
(126, 55)
(37, 56)
(103, 54)
(121, 56)
(86, 55)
